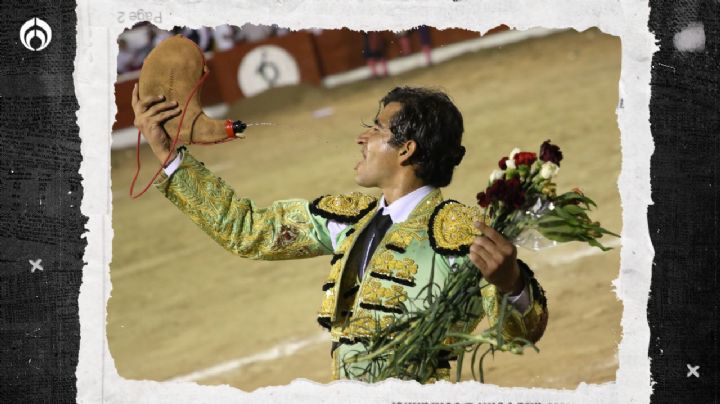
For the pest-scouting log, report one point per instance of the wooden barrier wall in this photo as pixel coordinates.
(317, 56)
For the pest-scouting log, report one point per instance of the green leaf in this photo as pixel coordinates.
(560, 237)
(574, 210)
(597, 244)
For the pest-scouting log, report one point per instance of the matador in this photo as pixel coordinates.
(384, 250)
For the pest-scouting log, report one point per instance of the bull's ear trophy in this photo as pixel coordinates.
(176, 68)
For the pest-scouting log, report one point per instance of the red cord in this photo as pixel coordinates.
(175, 140)
(172, 147)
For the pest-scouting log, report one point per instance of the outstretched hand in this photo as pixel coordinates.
(150, 114)
(496, 258)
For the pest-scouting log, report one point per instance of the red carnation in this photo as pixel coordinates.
(496, 190)
(510, 192)
(526, 158)
(550, 152)
(502, 164)
(514, 195)
(483, 199)
(493, 193)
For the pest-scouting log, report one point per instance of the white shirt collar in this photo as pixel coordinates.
(401, 209)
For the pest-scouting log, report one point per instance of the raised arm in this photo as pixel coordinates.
(284, 230)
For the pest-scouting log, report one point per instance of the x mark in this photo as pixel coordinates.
(36, 265)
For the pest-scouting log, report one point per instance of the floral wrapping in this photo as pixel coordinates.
(402, 265)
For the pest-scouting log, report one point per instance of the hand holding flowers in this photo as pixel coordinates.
(496, 258)
(521, 198)
(522, 208)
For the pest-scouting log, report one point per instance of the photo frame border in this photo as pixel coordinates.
(97, 379)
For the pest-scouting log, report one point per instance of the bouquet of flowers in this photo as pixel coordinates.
(520, 202)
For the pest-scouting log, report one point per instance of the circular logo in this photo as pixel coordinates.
(35, 34)
(266, 67)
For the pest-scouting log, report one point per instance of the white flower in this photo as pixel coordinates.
(510, 163)
(513, 153)
(549, 169)
(496, 175)
(535, 166)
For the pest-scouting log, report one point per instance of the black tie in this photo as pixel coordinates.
(360, 255)
(372, 235)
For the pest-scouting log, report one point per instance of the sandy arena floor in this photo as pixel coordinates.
(181, 304)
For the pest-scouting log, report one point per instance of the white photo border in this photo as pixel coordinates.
(98, 27)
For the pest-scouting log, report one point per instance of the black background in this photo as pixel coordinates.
(685, 124)
(40, 196)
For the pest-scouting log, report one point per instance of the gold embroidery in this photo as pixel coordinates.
(453, 229)
(402, 238)
(362, 323)
(529, 325)
(386, 264)
(337, 266)
(334, 276)
(440, 374)
(344, 208)
(376, 294)
(366, 325)
(287, 229)
(328, 303)
(337, 270)
(288, 234)
(284, 230)
(418, 220)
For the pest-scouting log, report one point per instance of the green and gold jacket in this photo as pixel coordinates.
(433, 241)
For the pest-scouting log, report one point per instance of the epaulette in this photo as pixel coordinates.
(452, 229)
(343, 208)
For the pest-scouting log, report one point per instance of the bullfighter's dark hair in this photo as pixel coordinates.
(430, 118)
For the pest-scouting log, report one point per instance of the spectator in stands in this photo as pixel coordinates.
(404, 38)
(425, 43)
(160, 35)
(224, 36)
(205, 39)
(201, 36)
(405, 45)
(374, 53)
(254, 33)
(148, 46)
(279, 31)
(126, 60)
